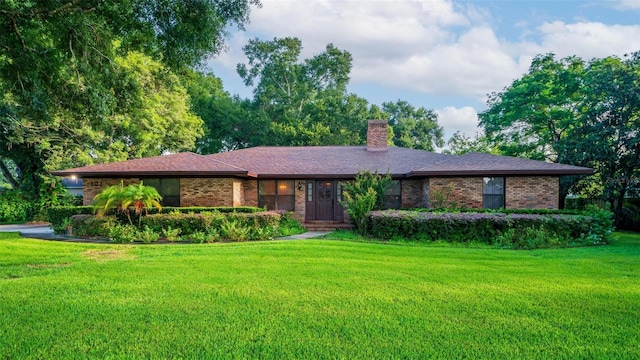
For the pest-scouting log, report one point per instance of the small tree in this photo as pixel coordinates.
(137, 196)
(365, 194)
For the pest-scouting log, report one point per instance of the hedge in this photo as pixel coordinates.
(59, 215)
(504, 229)
(193, 223)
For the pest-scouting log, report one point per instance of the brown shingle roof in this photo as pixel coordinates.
(323, 161)
(486, 164)
(181, 164)
(327, 161)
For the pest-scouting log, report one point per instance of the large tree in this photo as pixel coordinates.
(60, 78)
(608, 138)
(306, 101)
(414, 128)
(576, 113)
(533, 116)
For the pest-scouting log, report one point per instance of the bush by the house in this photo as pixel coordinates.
(364, 194)
(85, 225)
(59, 215)
(196, 224)
(123, 234)
(505, 230)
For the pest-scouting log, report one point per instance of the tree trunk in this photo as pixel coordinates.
(8, 175)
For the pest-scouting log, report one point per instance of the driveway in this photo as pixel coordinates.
(38, 230)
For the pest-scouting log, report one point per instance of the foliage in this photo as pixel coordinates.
(15, 207)
(234, 230)
(64, 85)
(460, 144)
(509, 230)
(123, 234)
(59, 214)
(474, 303)
(137, 196)
(171, 234)
(364, 180)
(85, 225)
(577, 113)
(147, 235)
(364, 194)
(289, 226)
(200, 237)
(414, 128)
(358, 206)
(187, 223)
(140, 197)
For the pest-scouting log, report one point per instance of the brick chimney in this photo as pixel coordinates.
(377, 135)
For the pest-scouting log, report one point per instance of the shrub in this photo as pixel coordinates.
(148, 235)
(289, 226)
(367, 192)
(59, 214)
(14, 207)
(506, 230)
(91, 225)
(171, 234)
(358, 206)
(187, 223)
(205, 237)
(233, 230)
(122, 234)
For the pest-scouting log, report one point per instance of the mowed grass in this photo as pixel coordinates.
(317, 299)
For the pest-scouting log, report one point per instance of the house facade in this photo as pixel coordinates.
(308, 180)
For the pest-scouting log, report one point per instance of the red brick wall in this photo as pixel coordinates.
(250, 192)
(536, 192)
(464, 191)
(93, 186)
(206, 192)
(377, 135)
(300, 199)
(412, 195)
(530, 192)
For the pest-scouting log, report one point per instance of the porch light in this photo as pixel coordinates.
(300, 186)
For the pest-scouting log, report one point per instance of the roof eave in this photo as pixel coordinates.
(138, 174)
(501, 172)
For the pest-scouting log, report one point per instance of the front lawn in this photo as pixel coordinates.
(317, 299)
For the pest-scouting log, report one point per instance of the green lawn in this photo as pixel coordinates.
(317, 299)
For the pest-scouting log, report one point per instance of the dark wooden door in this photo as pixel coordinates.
(325, 199)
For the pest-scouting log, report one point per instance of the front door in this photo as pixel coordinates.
(325, 199)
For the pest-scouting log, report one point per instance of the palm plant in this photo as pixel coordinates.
(109, 198)
(140, 197)
(137, 196)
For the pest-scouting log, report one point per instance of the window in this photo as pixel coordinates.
(393, 198)
(276, 194)
(493, 193)
(169, 189)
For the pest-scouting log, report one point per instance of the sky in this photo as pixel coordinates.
(438, 54)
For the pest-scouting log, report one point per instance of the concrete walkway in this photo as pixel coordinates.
(307, 235)
(45, 232)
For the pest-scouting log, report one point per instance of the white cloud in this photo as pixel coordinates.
(589, 39)
(453, 119)
(435, 47)
(626, 4)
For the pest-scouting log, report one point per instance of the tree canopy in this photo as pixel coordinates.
(574, 112)
(67, 69)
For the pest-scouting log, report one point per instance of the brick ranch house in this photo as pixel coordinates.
(307, 179)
